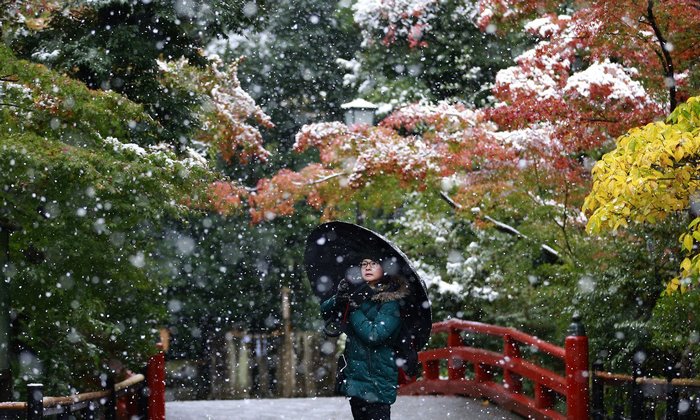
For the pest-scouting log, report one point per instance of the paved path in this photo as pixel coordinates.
(334, 408)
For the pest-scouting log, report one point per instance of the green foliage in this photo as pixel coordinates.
(624, 280)
(456, 61)
(651, 175)
(646, 183)
(614, 282)
(291, 71)
(675, 327)
(86, 210)
(114, 46)
(233, 278)
(37, 100)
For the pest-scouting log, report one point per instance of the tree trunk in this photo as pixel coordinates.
(666, 59)
(231, 362)
(5, 372)
(204, 369)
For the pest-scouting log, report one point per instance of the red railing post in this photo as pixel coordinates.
(577, 373)
(404, 379)
(155, 380)
(543, 397)
(431, 370)
(511, 352)
(127, 405)
(482, 373)
(455, 366)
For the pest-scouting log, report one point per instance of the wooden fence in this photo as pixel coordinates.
(282, 363)
(620, 397)
(139, 396)
(242, 364)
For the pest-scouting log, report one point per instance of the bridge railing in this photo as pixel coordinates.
(571, 384)
(138, 396)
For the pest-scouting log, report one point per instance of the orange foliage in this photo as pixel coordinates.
(589, 78)
(278, 195)
(226, 197)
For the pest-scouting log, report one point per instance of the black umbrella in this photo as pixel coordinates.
(334, 251)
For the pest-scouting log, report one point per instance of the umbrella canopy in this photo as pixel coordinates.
(334, 251)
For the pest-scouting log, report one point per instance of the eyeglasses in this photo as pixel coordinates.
(370, 264)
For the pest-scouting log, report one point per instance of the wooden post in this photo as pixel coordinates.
(597, 393)
(637, 399)
(307, 363)
(287, 362)
(455, 367)
(263, 367)
(91, 410)
(577, 373)
(218, 365)
(111, 403)
(671, 396)
(404, 379)
(231, 354)
(155, 380)
(513, 382)
(243, 366)
(35, 401)
(143, 398)
(204, 368)
(482, 373)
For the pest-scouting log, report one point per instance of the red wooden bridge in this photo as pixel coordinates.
(499, 376)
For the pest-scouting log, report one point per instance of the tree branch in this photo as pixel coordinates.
(566, 218)
(667, 61)
(12, 105)
(321, 180)
(504, 227)
(606, 120)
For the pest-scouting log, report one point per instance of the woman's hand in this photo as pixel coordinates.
(342, 294)
(357, 298)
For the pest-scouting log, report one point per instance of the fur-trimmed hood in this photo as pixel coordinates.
(395, 289)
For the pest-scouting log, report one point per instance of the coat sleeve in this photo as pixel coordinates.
(380, 330)
(328, 308)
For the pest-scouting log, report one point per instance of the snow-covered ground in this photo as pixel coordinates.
(334, 408)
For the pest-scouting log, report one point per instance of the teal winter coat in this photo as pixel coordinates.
(372, 328)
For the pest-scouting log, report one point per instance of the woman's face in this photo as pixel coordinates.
(371, 270)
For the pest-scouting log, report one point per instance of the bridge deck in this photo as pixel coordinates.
(335, 408)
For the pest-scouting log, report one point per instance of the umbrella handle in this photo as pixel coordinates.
(345, 313)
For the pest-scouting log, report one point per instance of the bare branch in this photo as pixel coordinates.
(503, 227)
(450, 201)
(321, 180)
(12, 105)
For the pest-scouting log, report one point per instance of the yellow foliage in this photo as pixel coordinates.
(653, 172)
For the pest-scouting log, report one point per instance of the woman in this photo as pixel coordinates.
(373, 320)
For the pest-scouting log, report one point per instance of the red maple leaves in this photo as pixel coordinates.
(590, 76)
